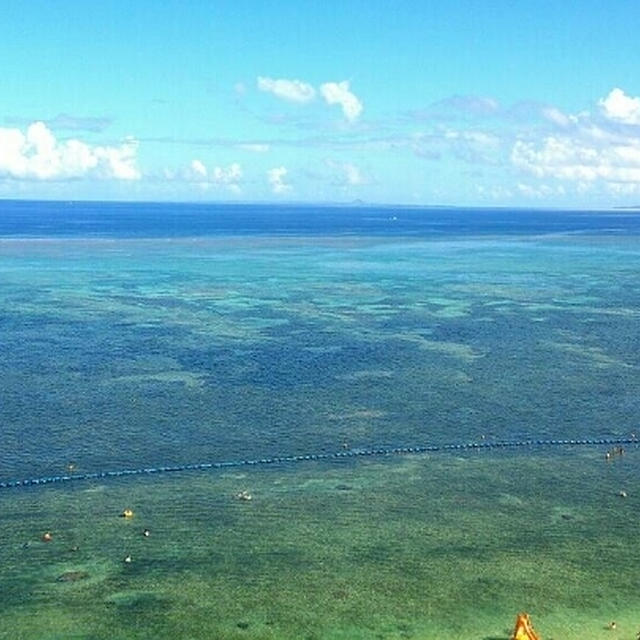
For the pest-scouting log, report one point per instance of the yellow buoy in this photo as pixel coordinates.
(127, 513)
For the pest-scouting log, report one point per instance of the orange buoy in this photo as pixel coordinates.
(524, 629)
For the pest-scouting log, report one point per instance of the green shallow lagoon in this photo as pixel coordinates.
(423, 546)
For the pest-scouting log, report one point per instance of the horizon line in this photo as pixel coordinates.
(353, 204)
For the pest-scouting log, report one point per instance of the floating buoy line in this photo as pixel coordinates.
(336, 455)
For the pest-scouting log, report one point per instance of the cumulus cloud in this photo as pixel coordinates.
(292, 90)
(38, 155)
(276, 178)
(620, 107)
(566, 158)
(591, 152)
(339, 93)
(229, 177)
(297, 91)
(198, 169)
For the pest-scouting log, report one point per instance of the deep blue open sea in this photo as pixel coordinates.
(157, 220)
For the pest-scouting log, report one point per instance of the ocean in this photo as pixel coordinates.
(294, 392)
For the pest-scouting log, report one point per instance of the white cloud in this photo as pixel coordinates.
(339, 93)
(566, 158)
(276, 177)
(620, 107)
(229, 177)
(37, 155)
(594, 154)
(292, 90)
(198, 168)
(302, 92)
(115, 162)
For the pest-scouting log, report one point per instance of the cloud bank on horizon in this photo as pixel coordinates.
(547, 151)
(354, 103)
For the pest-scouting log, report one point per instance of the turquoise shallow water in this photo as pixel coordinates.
(124, 350)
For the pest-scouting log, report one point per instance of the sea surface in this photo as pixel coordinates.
(150, 336)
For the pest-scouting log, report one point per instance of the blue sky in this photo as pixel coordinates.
(517, 103)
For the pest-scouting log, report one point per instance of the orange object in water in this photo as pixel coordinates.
(524, 629)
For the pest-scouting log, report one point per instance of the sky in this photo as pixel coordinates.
(421, 102)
